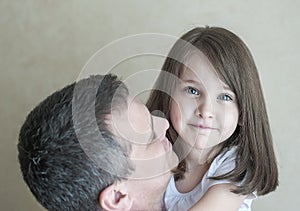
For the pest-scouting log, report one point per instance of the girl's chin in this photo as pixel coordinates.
(203, 144)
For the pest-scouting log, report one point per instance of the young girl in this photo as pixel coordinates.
(209, 90)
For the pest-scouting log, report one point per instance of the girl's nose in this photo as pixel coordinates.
(205, 109)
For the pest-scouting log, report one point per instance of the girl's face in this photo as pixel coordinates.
(204, 110)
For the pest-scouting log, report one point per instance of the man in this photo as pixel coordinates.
(90, 147)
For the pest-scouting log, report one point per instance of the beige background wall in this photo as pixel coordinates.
(44, 44)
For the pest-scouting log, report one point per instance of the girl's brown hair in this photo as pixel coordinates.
(256, 164)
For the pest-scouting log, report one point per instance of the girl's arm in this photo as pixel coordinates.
(219, 198)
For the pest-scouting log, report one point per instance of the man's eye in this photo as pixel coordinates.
(225, 97)
(191, 90)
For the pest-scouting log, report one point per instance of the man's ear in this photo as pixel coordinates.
(114, 198)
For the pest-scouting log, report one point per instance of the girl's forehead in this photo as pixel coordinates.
(203, 76)
(197, 58)
(199, 62)
(198, 65)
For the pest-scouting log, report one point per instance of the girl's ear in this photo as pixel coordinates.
(114, 198)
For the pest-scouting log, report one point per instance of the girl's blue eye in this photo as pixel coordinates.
(225, 97)
(191, 90)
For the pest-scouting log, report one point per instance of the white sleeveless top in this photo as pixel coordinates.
(223, 163)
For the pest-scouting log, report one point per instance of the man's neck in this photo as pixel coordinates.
(151, 206)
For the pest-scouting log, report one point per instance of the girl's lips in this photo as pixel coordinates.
(201, 126)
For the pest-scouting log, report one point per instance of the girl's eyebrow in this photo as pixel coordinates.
(191, 81)
(227, 88)
(224, 86)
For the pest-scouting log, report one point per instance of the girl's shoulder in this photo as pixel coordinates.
(223, 163)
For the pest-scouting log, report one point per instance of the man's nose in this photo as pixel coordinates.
(160, 126)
